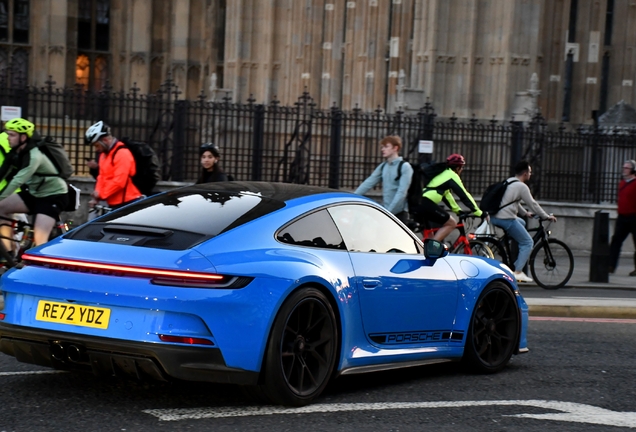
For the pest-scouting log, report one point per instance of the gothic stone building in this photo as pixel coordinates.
(466, 56)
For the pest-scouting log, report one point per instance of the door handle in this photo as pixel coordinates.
(371, 283)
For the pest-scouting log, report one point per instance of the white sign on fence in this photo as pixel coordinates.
(425, 146)
(10, 112)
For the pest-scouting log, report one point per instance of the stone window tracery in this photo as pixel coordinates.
(14, 41)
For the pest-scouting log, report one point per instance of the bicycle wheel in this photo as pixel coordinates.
(477, 248)
(498, 249)
(551, 264)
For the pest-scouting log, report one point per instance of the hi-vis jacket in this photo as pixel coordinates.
(443, 184)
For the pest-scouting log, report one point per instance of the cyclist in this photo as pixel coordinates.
(439, 189)
(116, 168)
(44, 193)
(507, 217)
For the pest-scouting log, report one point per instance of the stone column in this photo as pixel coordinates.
(139, 44)
(179, 44)
(331, 74)
(49, 41)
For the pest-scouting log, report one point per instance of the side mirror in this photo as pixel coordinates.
(434, 249)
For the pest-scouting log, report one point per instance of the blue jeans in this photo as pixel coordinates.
(516, 228)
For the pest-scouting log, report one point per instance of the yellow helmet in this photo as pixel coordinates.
(21, 126)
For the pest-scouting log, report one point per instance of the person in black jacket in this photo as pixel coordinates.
(211, 171)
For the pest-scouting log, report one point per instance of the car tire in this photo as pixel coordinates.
(301, 351)
(493, 332)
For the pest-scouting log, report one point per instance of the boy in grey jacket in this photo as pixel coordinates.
(395, 185)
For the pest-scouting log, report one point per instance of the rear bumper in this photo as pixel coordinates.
(114, 357)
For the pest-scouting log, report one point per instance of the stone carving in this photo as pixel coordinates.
(138, 58)
(57, 49)
(524, 106)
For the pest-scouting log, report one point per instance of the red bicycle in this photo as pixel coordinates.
(464, 244)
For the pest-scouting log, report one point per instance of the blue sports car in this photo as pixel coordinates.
(278, 287)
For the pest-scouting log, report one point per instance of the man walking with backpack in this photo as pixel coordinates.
(506, 216)
(116, 168)
(395, 175)
(44, 190)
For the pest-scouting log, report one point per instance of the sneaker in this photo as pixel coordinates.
(522, 277)
(633, 273)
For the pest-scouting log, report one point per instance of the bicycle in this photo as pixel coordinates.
(23, 239)
(463, 244)
(551, 261)
(99, 210)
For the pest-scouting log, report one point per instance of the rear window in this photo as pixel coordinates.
(178, 219)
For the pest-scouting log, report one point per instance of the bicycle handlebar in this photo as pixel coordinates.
(101, 208)
(466, 215)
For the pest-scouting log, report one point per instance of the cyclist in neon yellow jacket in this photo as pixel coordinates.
(5, 148)
(439, 189)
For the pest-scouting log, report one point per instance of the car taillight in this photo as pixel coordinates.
(87, 266)
(185, 340)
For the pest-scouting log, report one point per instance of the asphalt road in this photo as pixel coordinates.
(579, 374)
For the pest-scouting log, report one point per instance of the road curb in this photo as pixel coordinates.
(576, 311)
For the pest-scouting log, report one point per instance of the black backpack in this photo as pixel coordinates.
(147, 165)
(59, 158)
(492, 197)
(423, 173)
(57, 155)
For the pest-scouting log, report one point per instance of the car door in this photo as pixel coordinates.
(403, 297)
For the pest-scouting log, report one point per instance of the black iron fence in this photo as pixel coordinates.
(335, 148)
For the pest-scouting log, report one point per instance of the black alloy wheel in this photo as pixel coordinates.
(493, 331)
(302, 349)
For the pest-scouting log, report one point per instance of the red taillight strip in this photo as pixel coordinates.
(185, 340)
(121, 268)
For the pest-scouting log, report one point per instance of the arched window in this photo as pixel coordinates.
(93, 43)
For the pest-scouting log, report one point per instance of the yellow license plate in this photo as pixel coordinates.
(66, 313)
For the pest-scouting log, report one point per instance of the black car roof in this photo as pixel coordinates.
(276, 191)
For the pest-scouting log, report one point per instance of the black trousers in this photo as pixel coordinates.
(624, 226)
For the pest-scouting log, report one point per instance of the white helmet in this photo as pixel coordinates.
(95, 132)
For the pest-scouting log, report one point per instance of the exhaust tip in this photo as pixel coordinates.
(58, 352)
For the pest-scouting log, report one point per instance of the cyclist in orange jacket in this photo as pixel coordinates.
(116, 168)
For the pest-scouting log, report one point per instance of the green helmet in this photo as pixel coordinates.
(21, 126)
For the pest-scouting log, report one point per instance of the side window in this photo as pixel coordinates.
(367, 229)
(315, 230)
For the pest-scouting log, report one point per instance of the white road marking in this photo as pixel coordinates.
(32, 372)
(570, 411)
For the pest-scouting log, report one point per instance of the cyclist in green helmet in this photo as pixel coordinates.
(44, 192)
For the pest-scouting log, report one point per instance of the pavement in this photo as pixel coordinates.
(581, 298)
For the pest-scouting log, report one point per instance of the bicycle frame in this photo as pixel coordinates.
(461, 240)
(541, 235)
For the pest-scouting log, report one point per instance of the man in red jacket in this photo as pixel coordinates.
(116, 168)
(626, 219)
